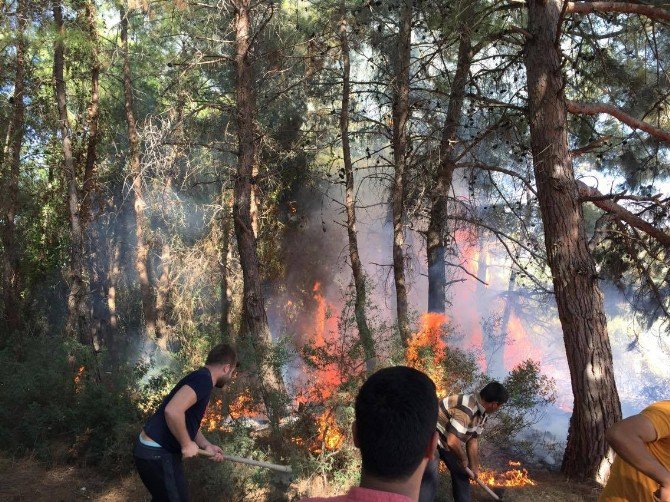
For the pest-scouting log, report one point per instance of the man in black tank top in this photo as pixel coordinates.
(173, 431)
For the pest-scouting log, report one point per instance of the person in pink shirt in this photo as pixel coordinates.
(395, 430)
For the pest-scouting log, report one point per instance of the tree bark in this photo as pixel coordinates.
(163, 295)
(94, 246)
(364, 332)
(226, 303)
(578, 297)
(77, 323)
(437, 226)
(254, 318)
(139, 206)
(112, 280)
(93, 115)
(400, 156)
(9, 175)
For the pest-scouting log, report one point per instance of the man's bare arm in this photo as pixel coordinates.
(456, 447)
(628, 439)
(176, 419)
(472, 449)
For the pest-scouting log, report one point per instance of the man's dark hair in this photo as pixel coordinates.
(396, 417)
(222, 354)
(494, 392)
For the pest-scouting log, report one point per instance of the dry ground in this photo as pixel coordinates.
(550, 487)
(27, 480)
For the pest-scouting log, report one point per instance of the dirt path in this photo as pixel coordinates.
(26, 479)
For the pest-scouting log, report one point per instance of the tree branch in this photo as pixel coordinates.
(594, 109)
(623, 7)
(588, 193)
(590, 147)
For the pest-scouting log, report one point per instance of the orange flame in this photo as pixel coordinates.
(243, 406)
(325, 378)
(330, 436)
(77, 379)
(511, 477)
(323, 375)
(426, 349)
(213, 419)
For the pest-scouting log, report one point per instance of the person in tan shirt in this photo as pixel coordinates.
(460, 422)
(641, 469)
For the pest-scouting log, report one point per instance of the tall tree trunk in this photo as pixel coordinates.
(94, 246)
(254, 318)
(400, 156)
(364, 332)
(579, 300)
(111, 282)
(437, 226)
(226, 219)
(9, 176)
(163, 295)
(77, 310)
(139, 206)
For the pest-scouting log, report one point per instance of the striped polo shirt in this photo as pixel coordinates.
(463, 415)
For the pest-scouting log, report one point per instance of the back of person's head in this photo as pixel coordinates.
(494, 392)
(396, 418)
(222, 354)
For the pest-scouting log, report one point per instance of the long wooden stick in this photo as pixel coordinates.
(249, 461)
(482, 484)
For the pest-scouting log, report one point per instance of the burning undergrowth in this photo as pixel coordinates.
(514, 475)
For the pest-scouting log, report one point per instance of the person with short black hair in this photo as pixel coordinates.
(173, 431)
(460, 422)
(394, 428)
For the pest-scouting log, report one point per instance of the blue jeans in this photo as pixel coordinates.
(460, 481)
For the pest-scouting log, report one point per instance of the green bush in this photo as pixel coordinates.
(52, 408)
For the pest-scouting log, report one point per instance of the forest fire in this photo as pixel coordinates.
(324, 374)
(243, 406)
(77, 379)
(516, 476)
(426, 349)
(330, 435)
(213, 419)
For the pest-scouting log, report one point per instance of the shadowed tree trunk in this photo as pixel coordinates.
(437, 226)
(400, 156)
(139, 206)
(350, 202)
(254, 325)
(94, 246)
(226, 303)
(77, 323)
(578, 297)
(9, 176)
(163, 294)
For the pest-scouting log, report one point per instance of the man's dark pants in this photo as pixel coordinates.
(460, 481)
(161, 472)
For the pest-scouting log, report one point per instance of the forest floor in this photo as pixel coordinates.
(26, 479)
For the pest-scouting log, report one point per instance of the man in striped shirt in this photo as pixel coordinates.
(460, 422)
